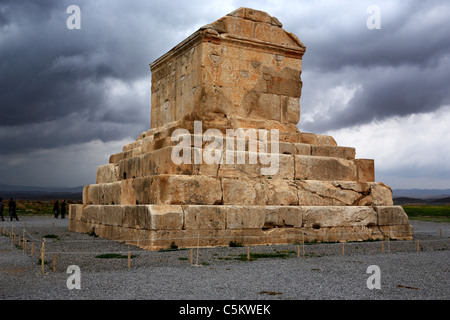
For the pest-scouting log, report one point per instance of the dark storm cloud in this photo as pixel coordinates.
(386, 92)
(3, 18)
(402, 68)
(412, 32)
(48, 71)
(53, 79)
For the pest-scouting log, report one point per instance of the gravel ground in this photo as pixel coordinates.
(322, 273)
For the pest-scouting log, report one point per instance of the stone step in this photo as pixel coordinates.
(149, 144)
(156, 227)
(199, 189)
(194, 161)
(287, 133)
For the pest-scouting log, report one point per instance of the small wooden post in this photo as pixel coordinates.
(382, 246)
(129, 259)
(191, 256)
(418, 247)
(389, 240)
(298, 251)
(389, 245)
(303, 244)
(54, 262)
(198, 245)
(42, 255)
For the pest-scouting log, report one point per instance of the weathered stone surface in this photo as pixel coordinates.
(107, 173)
(158, 226)
(391, 216)
(324, 168)
(365, 170)
(167, 217)
(204, 217)
(332, 151)
(284, 168)
(314, 192)
(330, 216)
(237, 80)
(242, 71)
(381, 194)
(317, 139)
(189, 190)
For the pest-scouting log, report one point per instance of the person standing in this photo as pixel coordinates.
(12, 209)
(56, 209)
(63, 209)
(1, 208)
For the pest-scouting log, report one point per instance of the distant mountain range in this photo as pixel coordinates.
(7, 187)
(406, 200)
(40, 193)
(421, 193)
(421, 196)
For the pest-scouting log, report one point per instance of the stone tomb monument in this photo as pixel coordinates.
(196, 179)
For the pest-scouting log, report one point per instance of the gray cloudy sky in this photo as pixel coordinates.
(71, 98)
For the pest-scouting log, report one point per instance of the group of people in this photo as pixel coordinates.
(12, 209)
(56, 209)
(13, 214)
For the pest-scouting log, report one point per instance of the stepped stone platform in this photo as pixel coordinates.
(206, 173)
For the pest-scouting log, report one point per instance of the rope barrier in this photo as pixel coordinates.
(48, 241)
(287, 236)
(304, 233)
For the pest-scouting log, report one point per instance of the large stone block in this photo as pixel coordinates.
(324, 168)
(110, 193)
(107, 173)
(280, 166)
(391, 216)
(166, 217)
(207, 217)
(322, 193)
(381, 194)
(338, 216)
(262, 191)
(113, 215)
(317, 139)
(332, 151)
(230, 57)
(75, 212)
(365, 170)
(179, 189)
